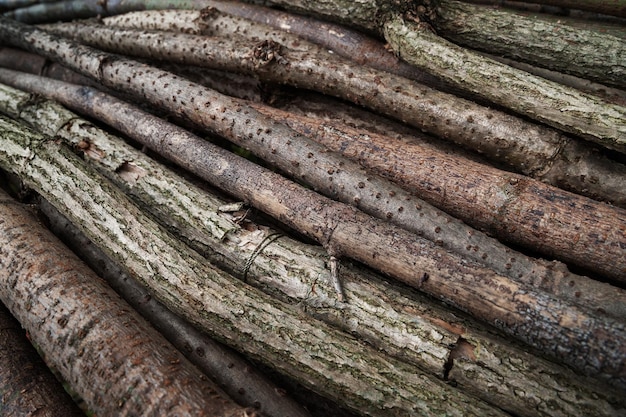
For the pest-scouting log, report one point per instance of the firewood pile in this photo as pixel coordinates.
(293, 208)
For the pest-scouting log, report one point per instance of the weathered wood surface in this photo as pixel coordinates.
(27, 386)
(293, 271)
(111, 357)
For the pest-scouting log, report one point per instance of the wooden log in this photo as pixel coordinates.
(266, 139)
(28, 387)
(550, 277)
(415, 329)
(321, 358)
(547, 42)
(528, 148)
(112, 358)
(614, 8)
(579, 114)
(241, 380)
(387, 248)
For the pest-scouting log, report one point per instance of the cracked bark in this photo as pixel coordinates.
(415, 329)
(320, 357)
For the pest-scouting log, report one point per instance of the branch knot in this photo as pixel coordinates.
(266, 52)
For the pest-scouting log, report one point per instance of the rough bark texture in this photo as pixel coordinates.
(401, 254)
(405, 325)
(552, 277)
(501, 137)
(477, 361)
(576, 113)
(27, 386)
(548, 43)
(614, 7)
(612, 95)
(112, 358)
(529, 149)
(537, 98)
(343, 41)
(236, 376)
(328, 361)
(267, 139)
(456, 186)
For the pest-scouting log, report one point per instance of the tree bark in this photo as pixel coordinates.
(538, 40)
(400, 254)
(537, 98)
(576, 113)
(476, 361)
(267, 140)
(537, 152)
(613, 8)
(551, 277)
(292, 271)
(611, 95)
(526, 147)
(323, 359)
(253, 21)
(108, 354)
(236, 376)
(28, 387)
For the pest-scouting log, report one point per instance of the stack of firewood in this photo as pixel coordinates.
(270, 211)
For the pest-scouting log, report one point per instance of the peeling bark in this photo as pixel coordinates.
(112, 358)
(27, 386)
(323, 359)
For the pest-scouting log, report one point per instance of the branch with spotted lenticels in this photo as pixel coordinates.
(278, 64)
(416, 329)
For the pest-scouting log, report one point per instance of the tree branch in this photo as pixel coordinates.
(321, 358)
(112, 358)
